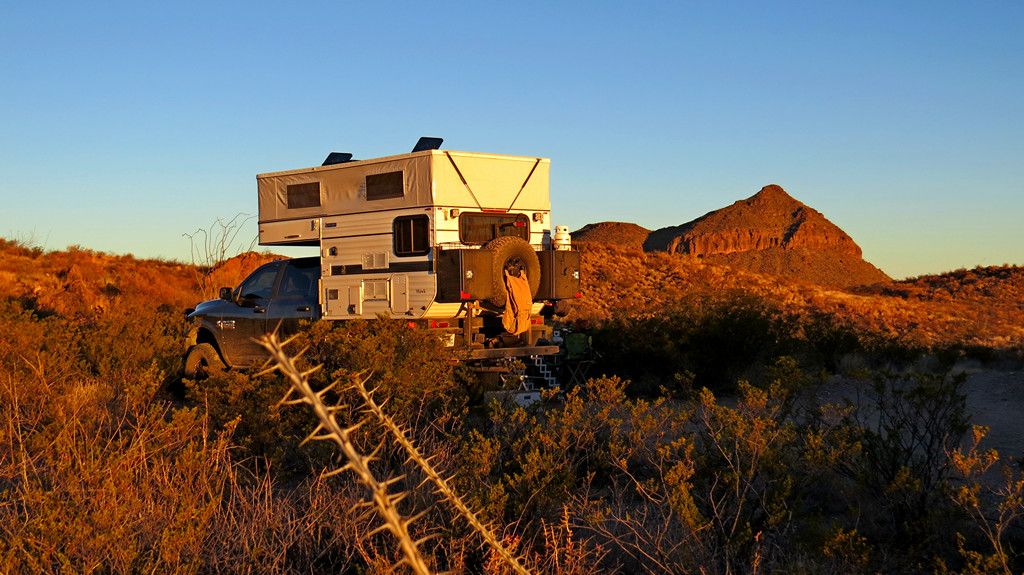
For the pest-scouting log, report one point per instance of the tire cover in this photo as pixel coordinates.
(503, 250)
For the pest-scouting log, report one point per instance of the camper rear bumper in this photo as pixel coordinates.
(501, 352)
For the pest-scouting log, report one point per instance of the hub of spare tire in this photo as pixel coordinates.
(515, 266)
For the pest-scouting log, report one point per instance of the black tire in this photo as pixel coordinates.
(515, 254)
(202, 360)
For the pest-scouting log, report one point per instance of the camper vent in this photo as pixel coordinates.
(375, 290)
(384, 186)
(304, 195)
(376, 261)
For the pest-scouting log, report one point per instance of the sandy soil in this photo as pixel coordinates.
(995, 398)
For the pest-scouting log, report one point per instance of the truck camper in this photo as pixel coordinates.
(458, 242)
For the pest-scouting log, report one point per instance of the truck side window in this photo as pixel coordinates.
(411, 235)
(260, 285)
(477, 228)
(299, 280)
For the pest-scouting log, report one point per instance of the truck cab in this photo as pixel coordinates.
(276, 296)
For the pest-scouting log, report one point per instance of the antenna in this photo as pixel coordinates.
(337, 158)
(427, 143)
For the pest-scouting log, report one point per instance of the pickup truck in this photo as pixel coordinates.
(278, 295)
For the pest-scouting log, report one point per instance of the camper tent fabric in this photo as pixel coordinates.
(431, 178)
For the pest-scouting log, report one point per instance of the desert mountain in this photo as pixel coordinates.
(613, 233)
(771, 233)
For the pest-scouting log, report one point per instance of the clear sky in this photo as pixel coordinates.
(125, 125)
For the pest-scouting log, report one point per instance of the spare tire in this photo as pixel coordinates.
(515, 255)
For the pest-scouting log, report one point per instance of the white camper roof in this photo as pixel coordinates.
(466, 180)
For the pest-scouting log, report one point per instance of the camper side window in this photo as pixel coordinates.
(303, 195)
(384, 186)
(412, 236)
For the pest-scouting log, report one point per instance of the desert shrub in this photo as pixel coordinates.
(745, 485)
(884, 458)
(409, 367)
(829, 337)
(118, 343)
(21, 247)
(717, 339)
(267, 436)
(657, 486)
(995, 508)
(532, 467)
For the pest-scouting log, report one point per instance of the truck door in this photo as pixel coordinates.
(247, 321)
(296, 298)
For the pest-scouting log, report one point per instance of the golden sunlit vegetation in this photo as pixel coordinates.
(711, 459)
(981, 307)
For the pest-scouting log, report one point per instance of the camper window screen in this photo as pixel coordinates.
(384, 186)
(476, 228)
(411, 236)
(304, 195)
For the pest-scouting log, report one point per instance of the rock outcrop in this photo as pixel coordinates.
(772, 232)
(769, 219)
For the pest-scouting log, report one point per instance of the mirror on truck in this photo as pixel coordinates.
(225, 293)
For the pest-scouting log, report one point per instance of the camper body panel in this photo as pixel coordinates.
(491, 182)
(378, 221)
(370, 265)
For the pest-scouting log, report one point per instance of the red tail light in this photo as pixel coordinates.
(434, 324)
(537, 320)
(465, 295)
(411, 325)
(519, 224)
(578, 295)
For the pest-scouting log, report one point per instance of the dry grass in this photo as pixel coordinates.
(102, 472)
(981, 307)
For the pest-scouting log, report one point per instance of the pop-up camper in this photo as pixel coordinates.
(460, 242)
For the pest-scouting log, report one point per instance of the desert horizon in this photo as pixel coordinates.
(548, 288)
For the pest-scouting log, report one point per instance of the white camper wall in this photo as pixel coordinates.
(361, 276)
(359, 263)
(491, 181)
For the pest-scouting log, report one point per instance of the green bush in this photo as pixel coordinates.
(717, 339)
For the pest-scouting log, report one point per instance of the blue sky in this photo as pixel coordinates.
(125, 125)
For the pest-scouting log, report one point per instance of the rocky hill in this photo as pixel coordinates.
(613, 233)
(981, 307)
(771, 233)
(82, 282)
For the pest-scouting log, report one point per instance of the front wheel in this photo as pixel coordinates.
(201, 361)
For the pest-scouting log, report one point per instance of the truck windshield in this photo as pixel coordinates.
(479, 228)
